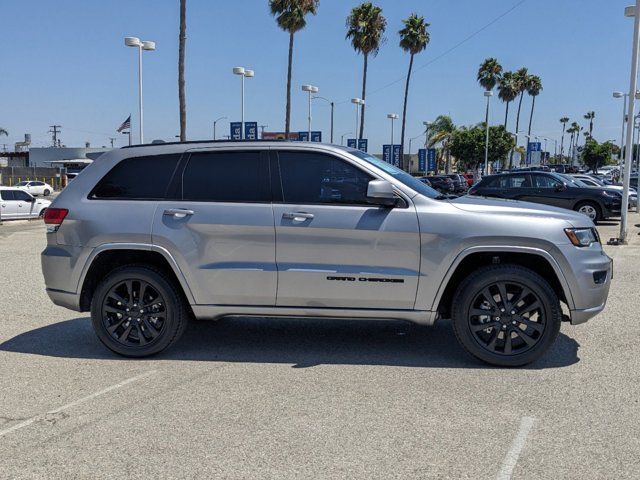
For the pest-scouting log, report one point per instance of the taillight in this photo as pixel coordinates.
(55, 216)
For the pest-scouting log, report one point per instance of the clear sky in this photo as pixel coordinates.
(65, 62)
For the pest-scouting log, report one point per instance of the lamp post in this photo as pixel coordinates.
(487, 94)
(332, 109)
(310, 89)
(342, 137)
(426, 139)
(214, 126)
(140, 45)
(392, 117)
(244, 73)
(411, 141)
(358, 102)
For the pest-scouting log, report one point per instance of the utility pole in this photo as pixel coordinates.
(112, 139)
(262, 127)
(55, 130)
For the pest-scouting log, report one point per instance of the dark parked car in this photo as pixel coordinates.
(460, 185)
(551, 189)
(441, 183)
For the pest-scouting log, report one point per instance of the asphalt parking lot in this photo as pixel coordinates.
(254, 398)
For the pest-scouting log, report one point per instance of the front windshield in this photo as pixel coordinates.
(21, 184)
(400, 175)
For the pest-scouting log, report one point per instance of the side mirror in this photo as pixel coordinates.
(561, 187)
(380, 192)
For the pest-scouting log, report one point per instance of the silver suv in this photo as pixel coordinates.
(150, 236)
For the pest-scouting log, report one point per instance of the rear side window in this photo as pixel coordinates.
(227, 177)
(22, 196)
(6, 194)
(137, 178)
(318, 178)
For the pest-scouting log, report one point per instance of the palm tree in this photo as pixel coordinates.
(3, 132)
(590, 116)
(563, 121)
(575, 131)
(182, 37)
(440, 132)
(521, 78)
(507, 92)
(290, 16)
(365, 29)
(489, 74)
(413, 39)
(534, 87)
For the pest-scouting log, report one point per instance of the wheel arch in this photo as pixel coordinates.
(108, 257)
(536, 259)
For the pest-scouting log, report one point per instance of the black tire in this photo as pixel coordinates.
(590, 206)
(47, 192)
(41, 214)
(528, 338)
(141, 334)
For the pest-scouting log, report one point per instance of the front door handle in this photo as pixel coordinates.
(178, 212)
(298, 216)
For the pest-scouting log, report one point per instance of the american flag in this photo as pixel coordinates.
(126, 124)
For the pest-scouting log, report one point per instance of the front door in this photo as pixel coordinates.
(333, 249)
(219, 227)
(24, 204)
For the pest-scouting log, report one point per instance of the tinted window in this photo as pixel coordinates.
(519, 181)
(6, 194)
(544, 181)
(140, 178)
(23, 196)
(226, 177)
(317, 178)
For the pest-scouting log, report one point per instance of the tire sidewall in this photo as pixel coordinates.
(595, 206)
(172, 306)
(470, 288)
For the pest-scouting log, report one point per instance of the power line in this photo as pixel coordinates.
(55, 130)
(448, 51)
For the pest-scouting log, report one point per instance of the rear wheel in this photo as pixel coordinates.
(136, 311)
(590, 209)
(46, 192)
(506, 315)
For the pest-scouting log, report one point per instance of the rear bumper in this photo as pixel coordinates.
(64, 299)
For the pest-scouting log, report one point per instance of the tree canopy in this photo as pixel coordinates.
(468, 145)
(595, 155)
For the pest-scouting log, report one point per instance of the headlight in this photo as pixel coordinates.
(582, 237)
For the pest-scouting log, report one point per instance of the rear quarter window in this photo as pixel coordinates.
(137, 178)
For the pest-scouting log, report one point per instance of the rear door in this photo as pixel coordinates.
(218, 225)
(334, 249)
(8, 205)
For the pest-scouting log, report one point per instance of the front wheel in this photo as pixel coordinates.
(589, 209)
(506, 315)
(137, 311)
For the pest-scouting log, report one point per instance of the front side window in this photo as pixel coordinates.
(137, 178)
(544, 181)
(22, 196)
(226, 177)
(312, 178)
(519, 181)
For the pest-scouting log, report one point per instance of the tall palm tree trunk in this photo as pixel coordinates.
(517, 129)
(564, 126)
(181, 94)
(533, 105)
(506, 116)
(364, 93)
(404, 112)
(287, 121)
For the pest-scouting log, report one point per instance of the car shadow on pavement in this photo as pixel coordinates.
(302, 343)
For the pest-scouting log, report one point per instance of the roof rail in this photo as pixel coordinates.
(189, 142)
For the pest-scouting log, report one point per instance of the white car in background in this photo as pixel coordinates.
(595, 182)
(35, 188)
(15, 204)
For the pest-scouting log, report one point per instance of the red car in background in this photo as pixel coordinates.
(469, 178)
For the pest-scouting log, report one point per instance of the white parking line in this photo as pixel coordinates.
(509, 462)
(31, 420)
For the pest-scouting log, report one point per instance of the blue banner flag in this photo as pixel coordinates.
(250, 130)
(397, 155)
(363, 144)
(236, 129)
(422, 160)
(431, 160)
(352, 143)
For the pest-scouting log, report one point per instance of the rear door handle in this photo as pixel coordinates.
(299, 216)
(178, 212)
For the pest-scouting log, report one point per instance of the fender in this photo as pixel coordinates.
(137, 246)
(505, 248)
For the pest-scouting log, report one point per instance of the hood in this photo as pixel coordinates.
(499, 206)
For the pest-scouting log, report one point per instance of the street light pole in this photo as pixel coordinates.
(243, 72)
(358, 102)
(140, 45)
(310, 89)
(487, 94)
(342, 137)
(630, 12)
(214, 126)
(332, 110)
(624, 118)
(392, 117)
